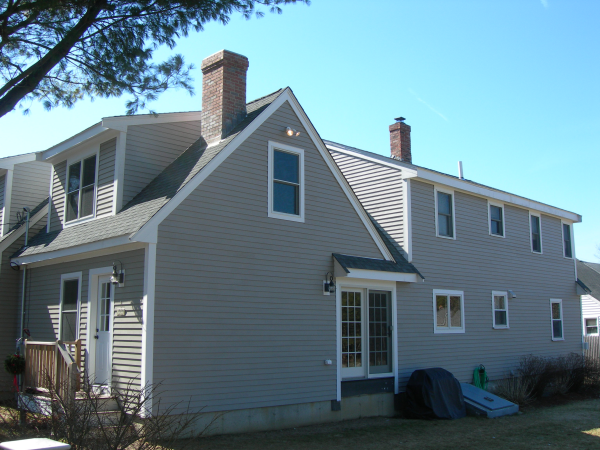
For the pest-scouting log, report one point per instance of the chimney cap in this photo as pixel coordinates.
(399, 119)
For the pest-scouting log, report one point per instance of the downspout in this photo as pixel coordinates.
(28, 211)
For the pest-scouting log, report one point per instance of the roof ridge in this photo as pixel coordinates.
(264, 96)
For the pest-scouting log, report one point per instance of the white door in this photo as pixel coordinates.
(104, 331)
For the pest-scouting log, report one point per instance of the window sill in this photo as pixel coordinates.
(78, 221)
(537, 253)
(446, 237)
(497, 327)
(497, 235)
(283, 216)
(450, 331)
(558, 339)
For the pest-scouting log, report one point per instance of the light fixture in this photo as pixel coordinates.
(117, 277)
(328, 284)
(511, 294)
(291, 132)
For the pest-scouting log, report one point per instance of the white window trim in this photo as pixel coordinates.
(63, 278)
(449, 330)
(437, 189)
(505, 295)
(562, 321)
(79, 158)
(539, 216)
(562, 233)
(279, 215)
(501, 206)
(585, 326)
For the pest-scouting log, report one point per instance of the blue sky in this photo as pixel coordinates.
(510, 87)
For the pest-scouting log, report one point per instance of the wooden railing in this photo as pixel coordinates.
(53, 366)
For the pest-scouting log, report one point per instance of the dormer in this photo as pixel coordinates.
(23, 184)
(98, 171)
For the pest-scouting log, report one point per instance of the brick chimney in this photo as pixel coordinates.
(400, 140)
(223, 94)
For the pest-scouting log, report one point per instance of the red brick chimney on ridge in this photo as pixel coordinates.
(223, 94)
(400, 140)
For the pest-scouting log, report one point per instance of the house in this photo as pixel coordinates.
(24, 184)
(499, 269)
(589, 274)
(236, 258)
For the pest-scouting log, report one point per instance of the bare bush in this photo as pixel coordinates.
(515, 389)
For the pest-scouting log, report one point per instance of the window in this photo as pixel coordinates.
(69, 306)
(81, 187)
(366, 333)
(448, 311)
(496, 220)
(500, 309)
(286, 182)
(567, 240)
(536, 233)
(557, 320)
(445, 214)
(591, 326)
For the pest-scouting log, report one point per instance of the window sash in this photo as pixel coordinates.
(556, 320)
(445, 216)
(536, 235)
(81, 187)
(496, 220)
(591, 326)
(500, 309)
(69, 309)
(449, 314)
(568, 249)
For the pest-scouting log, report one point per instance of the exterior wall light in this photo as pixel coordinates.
(118, 276)
(328, 284)
(291, 132)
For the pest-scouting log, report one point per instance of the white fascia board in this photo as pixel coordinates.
(9, 162)
(106, 246)
(380, 275)
(462, 185)
(16, 234)
(79, 138)
(121, 123)
(149, 232)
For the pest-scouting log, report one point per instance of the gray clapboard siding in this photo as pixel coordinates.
(57, 202)
(2, 190)
(478, 263)
(151, 148)
(44, 300)
(379, 189)
(590, 307)
(31, 182)
(106, 178)
(240, 317)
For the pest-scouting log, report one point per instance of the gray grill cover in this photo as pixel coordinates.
(434, 394)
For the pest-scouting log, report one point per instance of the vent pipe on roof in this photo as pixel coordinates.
(460, 171)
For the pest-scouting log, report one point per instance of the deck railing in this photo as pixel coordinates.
(53, 366)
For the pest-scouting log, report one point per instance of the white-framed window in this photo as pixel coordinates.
(500, 309)
(591, 326)
(448, 311)
(366, 331)
(80, 198)
(567, 236)
(556, 315)
(535, 230)
(286, 182)
(496, 219)
(70, 300)
(445, 226)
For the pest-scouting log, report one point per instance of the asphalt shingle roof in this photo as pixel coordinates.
(150, 200)
(589, 274)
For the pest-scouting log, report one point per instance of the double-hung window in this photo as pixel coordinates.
(445, 214)
(496, 214)
(69, 306)
(500, 309)
(567, 240)
(557, 319)
(591, 326)
(286, 182)
(535, 223)
(448, 311)
(81, 189)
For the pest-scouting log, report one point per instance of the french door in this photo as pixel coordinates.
(103, 336)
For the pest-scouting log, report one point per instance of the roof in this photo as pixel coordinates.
(150, 200)
(589, 274)
(464, 182)
(43, 205)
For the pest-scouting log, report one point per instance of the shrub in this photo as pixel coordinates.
(534, 371)
(514, 389)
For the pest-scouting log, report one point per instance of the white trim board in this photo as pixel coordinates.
(364, 274)
(8, 182)
(9, 162)
(149, 231)
(147, 370)
(121, 123)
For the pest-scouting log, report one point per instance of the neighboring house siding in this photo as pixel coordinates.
(106, 178)
(43, 301)
(57, 203)
(590, 307)
(478, 263)
(2, 190)
(30, 186)
(379, 189)
(151, 148)
(240, 316)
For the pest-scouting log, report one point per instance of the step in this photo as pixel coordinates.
(484, 403)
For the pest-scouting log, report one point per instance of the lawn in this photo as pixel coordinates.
(571, 426)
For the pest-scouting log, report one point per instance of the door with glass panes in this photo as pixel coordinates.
(103, 336)
(366, 333)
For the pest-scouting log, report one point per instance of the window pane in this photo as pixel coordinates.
(567, 240)
(379, 336)
(286, 198)
(535, 224)
(70, 294)
(87, 201)
(286, 167)
(496, 228)
(455, 314)
(89, 171)
(499, 302)
(68, 330)
(590, 322)
(444, 203)
(557, 329)
(72, 206)
(444, 225)
(74, 173)
(441, 303)
(500, 317)
(556, 310)
(536, 243)
(496, 213)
